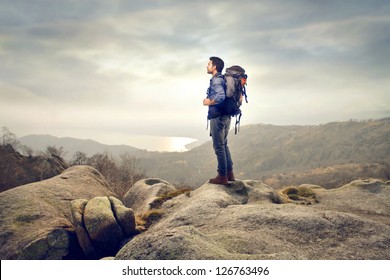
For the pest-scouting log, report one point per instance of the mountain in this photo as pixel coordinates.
(72, 145)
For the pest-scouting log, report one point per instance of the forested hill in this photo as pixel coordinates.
(346, 150)
(262, 150)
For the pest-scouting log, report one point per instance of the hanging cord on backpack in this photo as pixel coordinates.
(237, 125)
(244, 94)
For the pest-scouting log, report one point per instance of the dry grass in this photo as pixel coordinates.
(156, 204)
(298, 195)
(146, 219)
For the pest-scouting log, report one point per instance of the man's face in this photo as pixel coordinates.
(210, 67)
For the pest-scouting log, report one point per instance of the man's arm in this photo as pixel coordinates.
(217, 86)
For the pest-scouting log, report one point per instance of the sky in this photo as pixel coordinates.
(116, 71)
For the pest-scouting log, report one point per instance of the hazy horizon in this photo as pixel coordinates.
(113, 70)
(154, 143)
(142, 142)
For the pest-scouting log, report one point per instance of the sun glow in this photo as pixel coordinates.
(178, 144)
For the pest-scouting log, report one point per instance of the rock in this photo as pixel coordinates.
(246, 221)
(366, 198)
(259, 192)
(107, 258)
(145, 192)
(36, 219)
(101, 225)
(77, 210)
(125, 217)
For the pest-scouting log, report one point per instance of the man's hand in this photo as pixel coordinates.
(208, 102)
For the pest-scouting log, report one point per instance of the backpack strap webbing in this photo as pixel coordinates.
(237, 125)
(244, 94)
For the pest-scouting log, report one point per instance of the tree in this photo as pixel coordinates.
(130, 172)
(54, 151)
(102, 162)
(79, 158)
(121, 175)
(9, 138)
(26, 150)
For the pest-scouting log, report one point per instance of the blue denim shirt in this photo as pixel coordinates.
(216, 92)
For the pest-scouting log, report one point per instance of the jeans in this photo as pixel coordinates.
(219, 129)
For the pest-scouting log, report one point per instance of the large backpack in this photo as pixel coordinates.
(235, 81)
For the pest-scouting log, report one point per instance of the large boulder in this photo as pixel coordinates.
(36, 218)
(248, 220)
(101, 225)
(365, 198)
(124, 216)
(144, 192)
(85, 242)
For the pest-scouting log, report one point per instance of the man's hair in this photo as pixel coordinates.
(218, 63)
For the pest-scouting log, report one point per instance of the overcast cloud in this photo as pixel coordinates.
(92, 68)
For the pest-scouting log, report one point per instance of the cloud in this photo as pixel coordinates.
(139, 67)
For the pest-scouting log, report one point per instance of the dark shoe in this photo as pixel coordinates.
(230, 175)
(219, 180)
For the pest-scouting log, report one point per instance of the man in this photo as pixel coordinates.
(219, 123)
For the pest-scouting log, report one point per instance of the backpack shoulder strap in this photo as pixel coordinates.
(223, 81)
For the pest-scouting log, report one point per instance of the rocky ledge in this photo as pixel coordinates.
(75, 216)
(249, 220)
